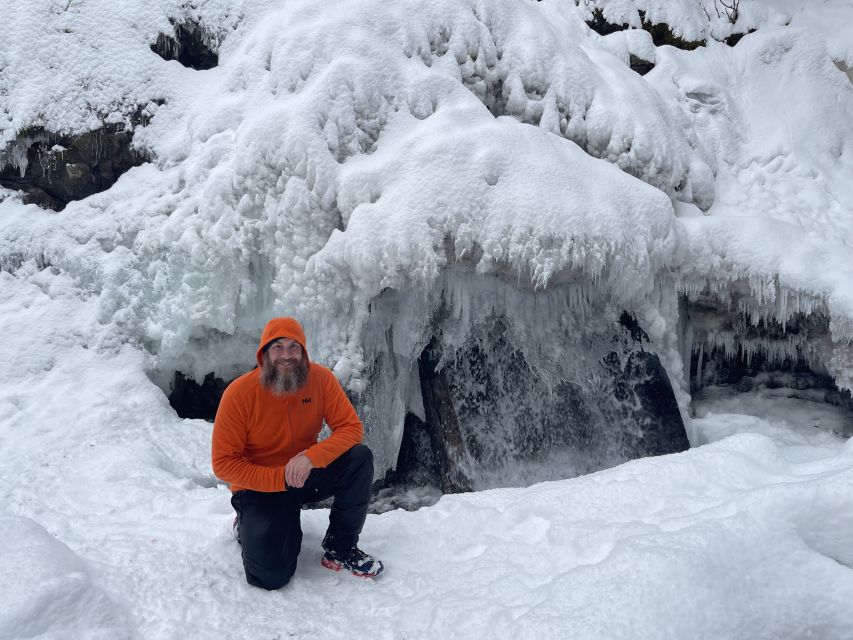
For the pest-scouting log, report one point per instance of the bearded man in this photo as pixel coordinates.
(265, 446)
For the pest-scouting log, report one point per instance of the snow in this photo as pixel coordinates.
(55, 597)
(482, 153)
(285, 178)
(745, 536)
(686, 18)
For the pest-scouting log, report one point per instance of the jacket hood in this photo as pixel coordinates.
(281, 328)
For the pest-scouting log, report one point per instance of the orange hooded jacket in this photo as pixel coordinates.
(257, 432)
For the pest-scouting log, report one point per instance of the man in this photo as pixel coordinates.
(265, 446)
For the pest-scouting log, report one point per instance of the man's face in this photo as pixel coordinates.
(285, 368)
(285, 354)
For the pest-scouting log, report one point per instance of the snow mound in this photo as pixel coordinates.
(49, 592)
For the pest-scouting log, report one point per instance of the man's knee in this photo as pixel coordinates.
(358, 466)
(256, 530)
(271, 537)
(361, 454)
(269, 564)
(271, 579)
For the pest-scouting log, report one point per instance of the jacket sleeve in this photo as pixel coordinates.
(230, 430)
(340, 415)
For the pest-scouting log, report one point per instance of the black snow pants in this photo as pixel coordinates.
(269, 528)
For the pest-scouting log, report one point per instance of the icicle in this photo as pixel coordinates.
(699, 366)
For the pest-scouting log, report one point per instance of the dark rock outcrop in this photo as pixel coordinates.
(640, 66)
(489, 415)
(53, 169)
(845, 69)
(661, 33)
(190, 45)
(601, 26)
(190, 399)
(442, 426)
(733, 39)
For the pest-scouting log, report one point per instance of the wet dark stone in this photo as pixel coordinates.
(629, 322)
(190, 399)
(662, 35)
(601, 26)
(733, 39)
(189, 46)
(644, 379)
(417, 463)
(442, 424)
(487, 408)
(62, 168)
(640, 66)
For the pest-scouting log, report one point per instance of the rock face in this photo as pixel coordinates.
(54, 169)
(661, 33)
(491, 420)
(640, 66)
(733, 39)
(848, 71)
(190, 46)
(193, 400)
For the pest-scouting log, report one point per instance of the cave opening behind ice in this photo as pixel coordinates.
(734, 346)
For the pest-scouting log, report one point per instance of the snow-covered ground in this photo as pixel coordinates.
(343, 148)
(747, 536)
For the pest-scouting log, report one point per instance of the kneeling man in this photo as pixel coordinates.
(265, 446)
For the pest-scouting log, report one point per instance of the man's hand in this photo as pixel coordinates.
(297, 470)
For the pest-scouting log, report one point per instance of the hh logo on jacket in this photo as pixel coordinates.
(306, 400)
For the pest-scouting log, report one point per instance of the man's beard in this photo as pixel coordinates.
(283, 383)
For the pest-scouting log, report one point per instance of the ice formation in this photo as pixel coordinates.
(550, 364)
